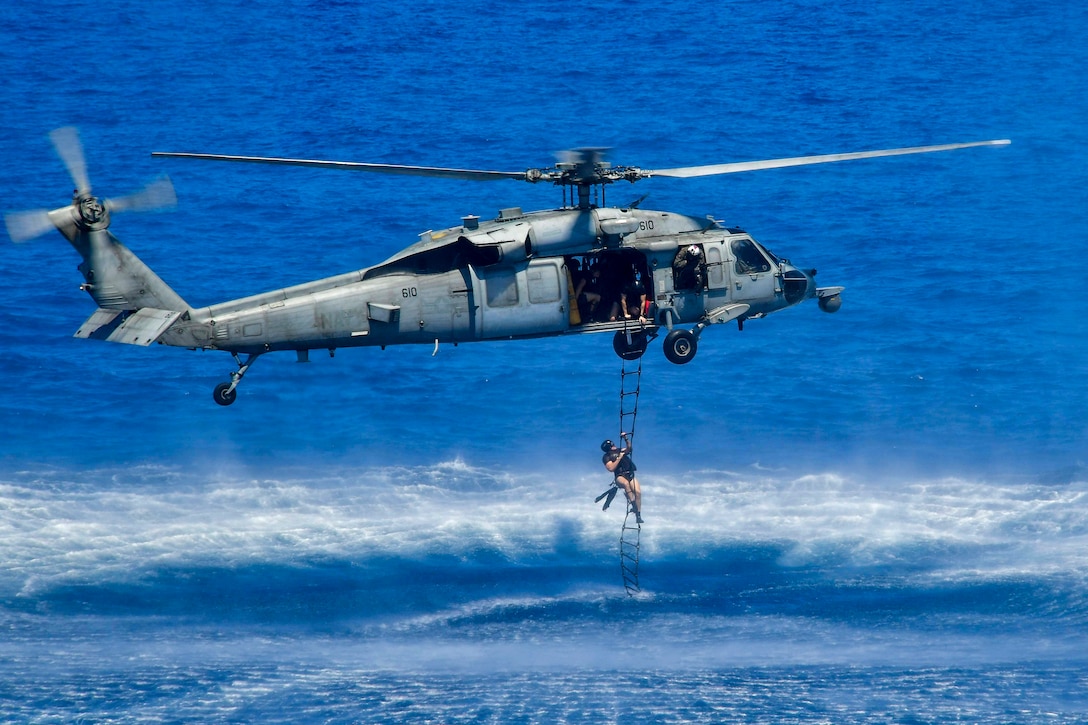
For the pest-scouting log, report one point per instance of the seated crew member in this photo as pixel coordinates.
(633, 301)
(589, 291)
(618, 462)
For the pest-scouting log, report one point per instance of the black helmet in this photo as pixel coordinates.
(607, 446)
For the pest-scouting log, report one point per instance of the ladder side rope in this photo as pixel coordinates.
(630, 387)
(630, 533)
(629, 548)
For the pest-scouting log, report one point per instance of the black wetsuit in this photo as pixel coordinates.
(626, 466)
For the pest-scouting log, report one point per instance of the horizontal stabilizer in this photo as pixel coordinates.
(100, 324)
(142, 327)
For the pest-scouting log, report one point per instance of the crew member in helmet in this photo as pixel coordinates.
(688, 268)
(618, 462)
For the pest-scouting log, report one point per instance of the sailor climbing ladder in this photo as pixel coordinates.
(630, 344)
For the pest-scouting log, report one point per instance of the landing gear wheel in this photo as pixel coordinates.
(680, 346)
(630, 350)
(224, 395)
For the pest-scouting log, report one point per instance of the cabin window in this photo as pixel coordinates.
(543, 284)
(502, 289)
(749, 259)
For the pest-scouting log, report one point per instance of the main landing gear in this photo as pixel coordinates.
(680, 346)
(227, 393)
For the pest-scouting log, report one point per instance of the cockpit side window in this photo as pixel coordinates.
(749, 259)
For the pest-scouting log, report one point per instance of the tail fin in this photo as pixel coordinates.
(116, 278)
(134, 305)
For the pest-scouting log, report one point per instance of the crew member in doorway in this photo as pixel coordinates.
(688, 268)
(589, 291)
(633, 301)
(618, 462)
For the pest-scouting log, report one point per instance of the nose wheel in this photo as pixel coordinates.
(227, 393)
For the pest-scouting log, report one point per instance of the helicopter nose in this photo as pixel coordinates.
(798, 285)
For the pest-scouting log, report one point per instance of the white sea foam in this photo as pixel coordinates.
(996, 528)
(116, 525)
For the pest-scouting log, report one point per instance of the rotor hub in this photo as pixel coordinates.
(92, 212)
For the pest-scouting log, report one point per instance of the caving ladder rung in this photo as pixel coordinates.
(630, 387)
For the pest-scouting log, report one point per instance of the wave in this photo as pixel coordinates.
(463, 545)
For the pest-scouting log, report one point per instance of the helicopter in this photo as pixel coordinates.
(584, 267)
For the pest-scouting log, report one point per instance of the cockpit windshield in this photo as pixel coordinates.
(774, 259)
(750, 257)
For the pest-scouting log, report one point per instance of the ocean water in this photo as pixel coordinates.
(874, 516)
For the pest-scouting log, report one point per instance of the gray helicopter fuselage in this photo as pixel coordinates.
(578, 269)
(505, 278)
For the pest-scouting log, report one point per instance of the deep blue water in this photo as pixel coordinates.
(874, 516)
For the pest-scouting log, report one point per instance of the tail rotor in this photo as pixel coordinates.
(70, 149)
(87, 212)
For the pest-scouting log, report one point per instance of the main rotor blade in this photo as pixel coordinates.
(159, 194)
(70, 149)
(713, 169)
(433, 171)
(26, 225)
